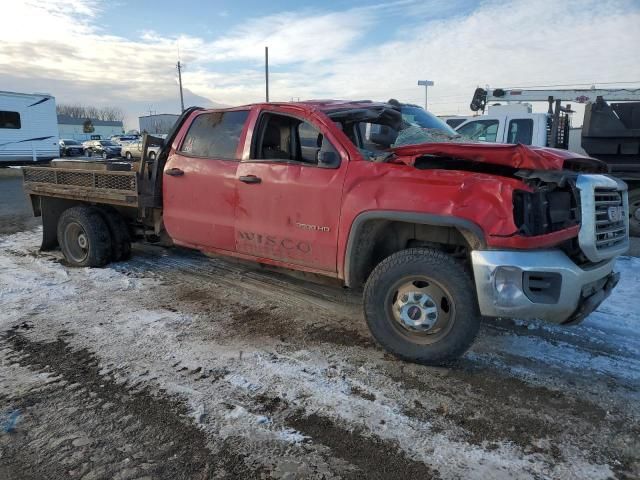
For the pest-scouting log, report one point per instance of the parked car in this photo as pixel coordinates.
(70, 148)
(133, 150)
(123, 139)
(101, 148)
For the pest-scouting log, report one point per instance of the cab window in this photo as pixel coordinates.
(481, 130)
(215, 134)
(289, 139)
(520, 131)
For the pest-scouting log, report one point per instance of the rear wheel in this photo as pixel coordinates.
(419, 305)
(120, 238)
(634, 212)
(84, 237)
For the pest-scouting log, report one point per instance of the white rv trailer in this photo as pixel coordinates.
(28, 128)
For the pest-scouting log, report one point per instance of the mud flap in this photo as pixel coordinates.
(51, 209)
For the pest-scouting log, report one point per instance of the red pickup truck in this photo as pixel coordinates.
(437, 231)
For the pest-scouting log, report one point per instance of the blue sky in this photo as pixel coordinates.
(123, 53)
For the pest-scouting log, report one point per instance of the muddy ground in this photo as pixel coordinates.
(174, 365)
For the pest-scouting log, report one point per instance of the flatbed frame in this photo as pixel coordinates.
(94, 186)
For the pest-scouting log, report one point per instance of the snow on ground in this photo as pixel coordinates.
(530, 400)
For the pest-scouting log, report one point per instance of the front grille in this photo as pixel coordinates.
(609, 232)
(604, 205)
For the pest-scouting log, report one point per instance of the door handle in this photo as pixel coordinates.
(174, 172)
(250, 179)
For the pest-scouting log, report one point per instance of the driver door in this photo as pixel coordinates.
(288, 201)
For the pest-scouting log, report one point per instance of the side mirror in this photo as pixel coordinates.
(328, 159)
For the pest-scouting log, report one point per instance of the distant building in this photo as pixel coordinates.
(83, 128)
(159, 124)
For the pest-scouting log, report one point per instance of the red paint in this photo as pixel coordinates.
(211, 209)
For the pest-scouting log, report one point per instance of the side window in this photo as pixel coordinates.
(215, 134)
(454, 122)
(483, 130)
(9, 120)
(520, 131)
(314, 146)
(290, 139)
(377, 137)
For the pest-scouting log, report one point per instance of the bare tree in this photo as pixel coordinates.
(109, 114)
(92, 112)
(112, 114)
(73, 110)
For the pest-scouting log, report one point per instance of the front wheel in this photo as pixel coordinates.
(419, 304)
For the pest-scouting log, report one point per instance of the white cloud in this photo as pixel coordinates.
(315, 54)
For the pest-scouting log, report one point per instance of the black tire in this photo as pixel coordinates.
(634, 212)
(152, 156)
(120, 238)
(93, 249)
(426, 269)
(128, 156)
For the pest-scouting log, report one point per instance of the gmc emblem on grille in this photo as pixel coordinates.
(614, 214)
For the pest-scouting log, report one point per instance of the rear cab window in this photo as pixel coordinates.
(520, 131)
(215, 135)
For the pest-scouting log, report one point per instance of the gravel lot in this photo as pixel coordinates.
(174, 365)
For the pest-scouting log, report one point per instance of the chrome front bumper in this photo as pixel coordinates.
(542, 284)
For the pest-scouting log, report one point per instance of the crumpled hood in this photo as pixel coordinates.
(516, 156)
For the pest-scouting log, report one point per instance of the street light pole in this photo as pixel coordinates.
(426, 84)
(266, 72)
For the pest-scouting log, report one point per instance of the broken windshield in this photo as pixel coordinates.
(419, 116)
(376, 130)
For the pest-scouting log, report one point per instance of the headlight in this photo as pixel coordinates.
(507, 282)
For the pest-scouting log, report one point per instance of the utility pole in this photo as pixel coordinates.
(180, 82)
(266, 72)
(426, 84)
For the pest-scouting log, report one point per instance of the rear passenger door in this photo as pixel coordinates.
(199, 182)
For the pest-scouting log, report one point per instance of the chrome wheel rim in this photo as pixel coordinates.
(421, 309)
(77, 242)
